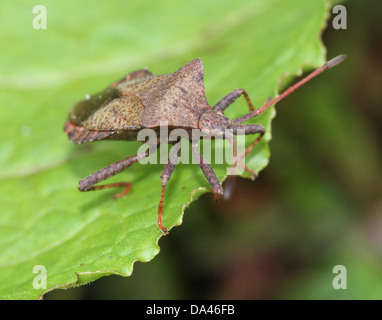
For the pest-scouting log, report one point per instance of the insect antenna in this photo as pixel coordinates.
(288, 91)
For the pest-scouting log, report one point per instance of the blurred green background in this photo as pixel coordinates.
(316, 205)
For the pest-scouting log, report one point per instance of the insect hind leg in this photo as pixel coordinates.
(88, 183)
(165, 177)
(126, 185)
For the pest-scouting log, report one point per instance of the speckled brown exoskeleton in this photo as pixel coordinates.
(143, 100)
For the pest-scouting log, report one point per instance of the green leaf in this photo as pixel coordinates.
(79, 237)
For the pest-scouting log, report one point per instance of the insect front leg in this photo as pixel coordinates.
(166, 174)
(226, 101)
(87, 184)
(208, 173)
(249, 129)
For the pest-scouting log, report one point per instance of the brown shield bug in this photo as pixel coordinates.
(143, 100)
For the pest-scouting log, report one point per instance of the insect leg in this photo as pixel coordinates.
(87, 184)
(166, 174)
(226, 101)
(249, 129)
(209, 173)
